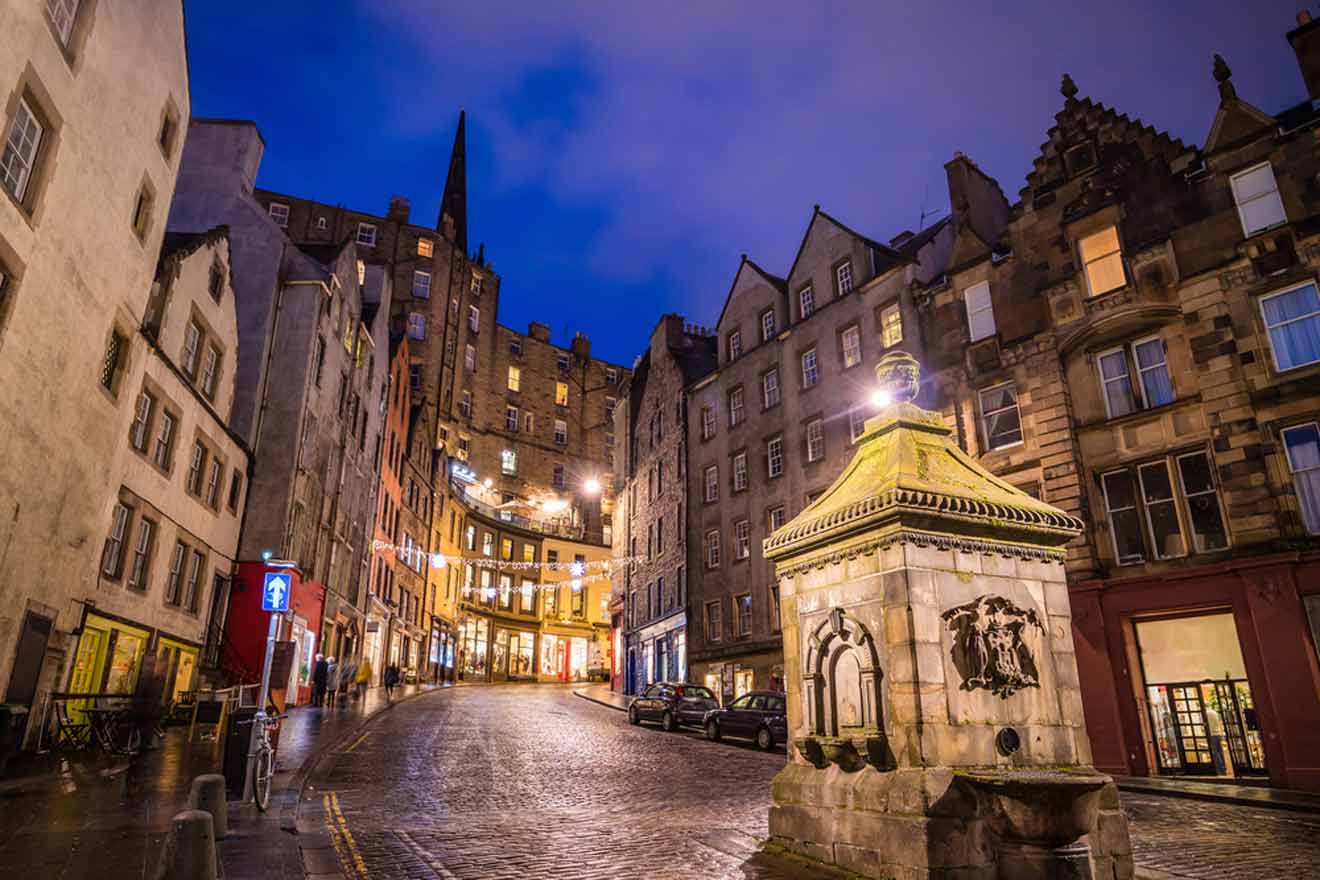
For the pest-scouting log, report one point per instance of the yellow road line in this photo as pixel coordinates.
(357, 742)
(345, 846)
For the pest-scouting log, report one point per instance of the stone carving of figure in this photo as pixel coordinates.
(988, 647)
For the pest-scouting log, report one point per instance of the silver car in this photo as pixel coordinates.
(672, 703)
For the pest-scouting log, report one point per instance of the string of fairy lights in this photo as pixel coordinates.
(581, 571)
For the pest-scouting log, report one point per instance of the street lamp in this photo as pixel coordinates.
(591, 486)
(881, 398)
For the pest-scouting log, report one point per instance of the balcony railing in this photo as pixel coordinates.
(552, 528)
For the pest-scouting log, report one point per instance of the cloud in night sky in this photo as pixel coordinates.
(622, 155)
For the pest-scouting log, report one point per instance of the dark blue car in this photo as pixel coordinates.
(758, 715)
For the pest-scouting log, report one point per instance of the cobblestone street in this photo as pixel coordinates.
(527, 781)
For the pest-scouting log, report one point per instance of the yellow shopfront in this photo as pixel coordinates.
(109, 656)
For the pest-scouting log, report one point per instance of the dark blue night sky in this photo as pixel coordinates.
(622, 155)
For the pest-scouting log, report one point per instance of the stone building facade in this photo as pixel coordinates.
(80, 238)
(772, 426)
(1139, 345)
(651, 509)
(308, 399)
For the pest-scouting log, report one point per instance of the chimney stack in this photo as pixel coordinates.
(400, 209)
(1305, 40)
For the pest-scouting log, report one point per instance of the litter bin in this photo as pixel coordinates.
(13, 723)
(237, 739)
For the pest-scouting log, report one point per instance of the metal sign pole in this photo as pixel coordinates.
(262, 697)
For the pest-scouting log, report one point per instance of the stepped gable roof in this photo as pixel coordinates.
(1085, 121)
(909, 481)
(177, 246)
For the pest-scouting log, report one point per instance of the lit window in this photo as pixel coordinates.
(852, 347)
(739, 472)
(891, 325)
(1257, 198)
(19, 157)
(980, 311)
(416, 325)
(806, 302)
(767, 325)
(713, 548)
(62, 15)
(1302, 445)
(815, 440)
(515, 378)
(506, 549)
(711, 484)
(843, 277)
(742, 539)
(774, 457)
(810, 370)
(362, 275)
(470, 358)
(487, 544)
(561, 432)
(465, 404)
(508, 462)
(279, 212)
(561, 394)
(735, 345)
(707, 423)
(425, 247)
(735, 407)
(1292, 319)
(366, 235)
(421, 286)
(1102, 261)
(999, 416)
(770, 389)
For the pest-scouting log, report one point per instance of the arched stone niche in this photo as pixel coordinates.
(841, 693)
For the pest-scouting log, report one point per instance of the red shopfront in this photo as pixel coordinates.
(1208, 673)
(248, 625)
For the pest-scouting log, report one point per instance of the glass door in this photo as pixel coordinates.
(1193, 733)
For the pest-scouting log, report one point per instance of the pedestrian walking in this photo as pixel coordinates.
(318, 680)
(363, 678)
(391, 680)
(331, 681)
(347, 675)
(146, 710)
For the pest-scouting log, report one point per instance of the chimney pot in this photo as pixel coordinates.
(1304, 17)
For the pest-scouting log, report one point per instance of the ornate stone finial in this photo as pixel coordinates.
(1069, 88)
(1224, 76)
(899, 374)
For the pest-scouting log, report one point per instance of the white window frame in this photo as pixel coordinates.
(843, 278)
(561, 432)
(1274, 356)
(815, 440)
(1145, 505)
(511, 419)
(113, 555)
(710, 483)
(707, 422)
(1142, 371)
(174, 582)
(192, 345)
(1302, 487)
(713, 548)
(164, 440)
(417, 325)
(980, 312)
(740, 471)
(366, 234)
(776, 512)
(735, 345)
(213, 483)
(774, 457)
(850, 340)
(767, 325)
(810, 368)
(856, 423)
(146, 404)
(742, 539)
(742, 616)
(1180, 484)
(421, 284)
(1087, 263)
(1110, 510)
(279, 212)
(1105, 382)
(474, 319)
(137, 570)
(22, 145)
(736, 407)
(985, 415)
(611, 376)
(210, 371)
(891, 325)
(770, 396)
(1234, 181)
(190, 596)
(63, 14)
(195, 465)
(470, 357)
(509, 462)
(714, 621)
(806, 302)
(465, 403)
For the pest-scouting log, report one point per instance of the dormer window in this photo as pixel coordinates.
(1078, 159)
(279, 212)
(366, 235)
(1257, 197)
(1102, 261)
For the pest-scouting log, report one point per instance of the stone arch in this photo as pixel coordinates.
(841, 686)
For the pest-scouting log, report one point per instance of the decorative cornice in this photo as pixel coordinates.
(936, 540)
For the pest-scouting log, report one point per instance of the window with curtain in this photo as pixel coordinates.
(1292, 319)
(1000, 418)
(1135, 376)
(1302, 444)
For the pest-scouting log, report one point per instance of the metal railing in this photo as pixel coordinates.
(554, 529)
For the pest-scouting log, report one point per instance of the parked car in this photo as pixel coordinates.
(672, 703)
(758, 715)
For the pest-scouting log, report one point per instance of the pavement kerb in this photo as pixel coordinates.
(589, 698)
(289, 812)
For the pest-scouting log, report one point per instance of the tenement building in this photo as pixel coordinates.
(1139, 344)
(650, 642)
(80, 240)
(308, 400)
(777, 420)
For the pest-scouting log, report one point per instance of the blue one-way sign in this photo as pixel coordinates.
(275, 592)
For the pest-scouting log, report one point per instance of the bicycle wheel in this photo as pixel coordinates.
(264, 773)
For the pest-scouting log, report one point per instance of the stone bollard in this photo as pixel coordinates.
(189, 852)
(208, 795)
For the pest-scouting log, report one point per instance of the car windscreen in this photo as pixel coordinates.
(696, 693)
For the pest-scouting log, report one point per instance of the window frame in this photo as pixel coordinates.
(855, 332)
(121, 518)
(806, 302)
(973, 312)
(735, 349)
(742, 539)
(767, 322)
(708, 420)
(815, 445)
(843, 277)
(810, 371)
(737, 411)
(739, 466)
(424, 291)
(985, 415)
(1269, 339)
(710, 484)
(1274, 191)
(561, 432)
(366, 234)
(279, 212)
(561, 394)
(1086, 264)
(742, 615)
(1314, 426)
(892, 310)
(31, 162)
(425, 247)
(770, 389)
(714, 622)
(774, 451)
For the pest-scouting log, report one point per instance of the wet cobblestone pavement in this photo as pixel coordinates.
(529, 782)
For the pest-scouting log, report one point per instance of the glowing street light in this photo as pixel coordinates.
(591, 486)
(881, 398)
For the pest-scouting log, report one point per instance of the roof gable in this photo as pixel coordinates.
(748, 269)
(1235, 120)
(883, 251)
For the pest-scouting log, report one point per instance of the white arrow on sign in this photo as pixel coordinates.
(276, 587)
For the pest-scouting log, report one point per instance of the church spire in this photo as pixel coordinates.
(453, 204)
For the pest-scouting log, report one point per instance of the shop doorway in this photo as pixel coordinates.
(1202, 717)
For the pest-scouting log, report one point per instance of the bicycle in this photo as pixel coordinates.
(261, 757)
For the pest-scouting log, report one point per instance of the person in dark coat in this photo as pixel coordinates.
(391, 679)
(318, 680)
(147, 708)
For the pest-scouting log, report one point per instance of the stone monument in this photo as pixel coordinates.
(935, 715)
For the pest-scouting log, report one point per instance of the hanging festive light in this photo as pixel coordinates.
(577, 569)
(438, 560)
